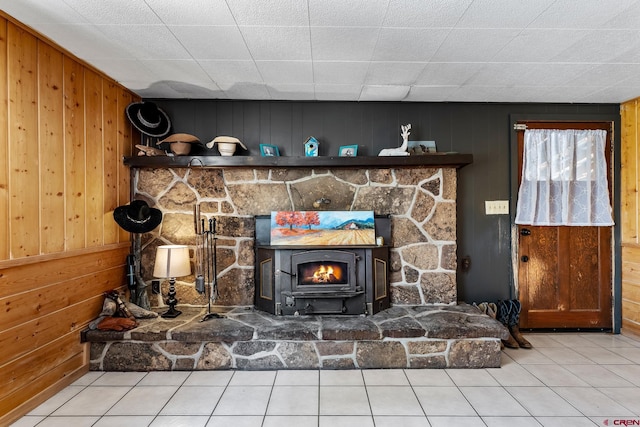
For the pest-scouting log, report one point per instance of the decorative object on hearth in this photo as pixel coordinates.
(417, 148)
(311, 147)
(348, 151)
(402, 150)
(180, 143)
(227, 145)
(172, 261)
(206, 260)
(149, 151)
(321, 228)
(268, 150)
(149, 119)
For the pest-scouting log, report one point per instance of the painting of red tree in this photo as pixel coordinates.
(322, 228)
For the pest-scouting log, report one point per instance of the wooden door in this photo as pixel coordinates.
(564, 273)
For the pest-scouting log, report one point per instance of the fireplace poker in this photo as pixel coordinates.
(210, 265)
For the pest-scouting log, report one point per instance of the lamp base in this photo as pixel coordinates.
(171, 313)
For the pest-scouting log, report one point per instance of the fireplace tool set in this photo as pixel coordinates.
(205, 265)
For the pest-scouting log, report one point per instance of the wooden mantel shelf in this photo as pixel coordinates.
(452, 160)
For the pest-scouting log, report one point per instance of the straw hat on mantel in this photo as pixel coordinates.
(226, 144)
(180, 143)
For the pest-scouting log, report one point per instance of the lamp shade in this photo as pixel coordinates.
(172, 261)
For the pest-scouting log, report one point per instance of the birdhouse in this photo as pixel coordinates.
(311, 146)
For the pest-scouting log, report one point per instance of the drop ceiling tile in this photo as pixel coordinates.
(124, 69)
(462, 45)
(32, 12)
(447, 73)
(523, 74)
(195, 91)
(247, 91)
(340, 73)
(408, 44)
(538, 45)
(278, 43)
(628, 19)
(414, 13)
(496, 93)
(394, 73)
(580, 14)
(608, 75)
(352, 13)
(292, 72)
(614, 95)
(146, 41)
(198, 12)
(86, 41)
(282, 91)
(117, 12)
(227, 73)
(212, 42)
(337, 92)
(383, 93)
(502, 13)
(343, 44)
(436, 93)
(600, 46)
(186, 70)
(273, 12)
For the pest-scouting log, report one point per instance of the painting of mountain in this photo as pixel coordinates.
(322, 228)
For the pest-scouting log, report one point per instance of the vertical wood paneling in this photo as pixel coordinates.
(124, 149)
(24, 181)
(111, 161)
(94, 159)
(74, 154)
(4, 145)
(51, 146)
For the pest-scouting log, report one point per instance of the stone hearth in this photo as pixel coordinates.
(245, 339)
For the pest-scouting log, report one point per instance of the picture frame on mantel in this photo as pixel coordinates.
(348, 151)
(268, 150)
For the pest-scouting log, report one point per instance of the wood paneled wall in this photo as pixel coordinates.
(629, 214)
(63, 133)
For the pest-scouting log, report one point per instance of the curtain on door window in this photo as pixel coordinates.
(564, 179)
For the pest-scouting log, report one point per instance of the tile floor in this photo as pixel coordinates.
(576, 379)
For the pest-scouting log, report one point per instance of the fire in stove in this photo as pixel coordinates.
(318, 273)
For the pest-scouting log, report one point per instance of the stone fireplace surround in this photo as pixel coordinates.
(423, 328)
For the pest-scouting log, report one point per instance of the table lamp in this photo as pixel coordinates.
(172, 261)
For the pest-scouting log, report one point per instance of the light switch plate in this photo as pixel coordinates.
(496, 207)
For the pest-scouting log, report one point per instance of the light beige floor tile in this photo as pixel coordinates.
(472, 377)
(344, 400)
(57, 400)
(349, 377)
(394, 400)
(428, 377)
(510, 421)
(235, 421)
(456, 422)
(295, 377)
(82, 421)
(290, 421)
(293, 400)
(244, 400)
(120, 378)
(245, 378)
(542, 401)
(566, 422)
(630, 373)
(345, 421)
(217, 378)
(493, 401)
(194, 400)
(592, 402)
(144, 400)
(601, 355)
(629, 398)
(554, 375)
(124, 420)
(529, 357)
(597, 376)
(407, 421)
(611, 341)
(88, 378)
(573, 340)
(386, 377)
(443, 401)
(164, 378)
(565, 356)
(514, 375)
(632, 354)
(92, 401)
(179, 421)
(542, 340)
(28, 421)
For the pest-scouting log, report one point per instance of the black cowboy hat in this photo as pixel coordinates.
(148, 119)
(137, 217)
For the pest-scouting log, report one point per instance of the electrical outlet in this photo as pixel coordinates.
(496, 207)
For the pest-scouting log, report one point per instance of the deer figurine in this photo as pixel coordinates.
(402, 150)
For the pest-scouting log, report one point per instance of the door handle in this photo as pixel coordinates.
(524, 258)
(525, 232)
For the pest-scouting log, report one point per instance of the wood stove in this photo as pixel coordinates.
(304, 280)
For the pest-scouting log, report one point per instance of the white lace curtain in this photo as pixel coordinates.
(564, 179)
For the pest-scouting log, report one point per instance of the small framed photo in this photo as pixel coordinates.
(348, 151)
(421, 147)
(268, 150)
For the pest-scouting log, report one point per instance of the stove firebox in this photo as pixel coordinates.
(299, 280)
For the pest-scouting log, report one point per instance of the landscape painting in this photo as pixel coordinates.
(322, 228)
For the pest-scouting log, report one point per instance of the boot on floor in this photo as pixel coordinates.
(517, 335)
